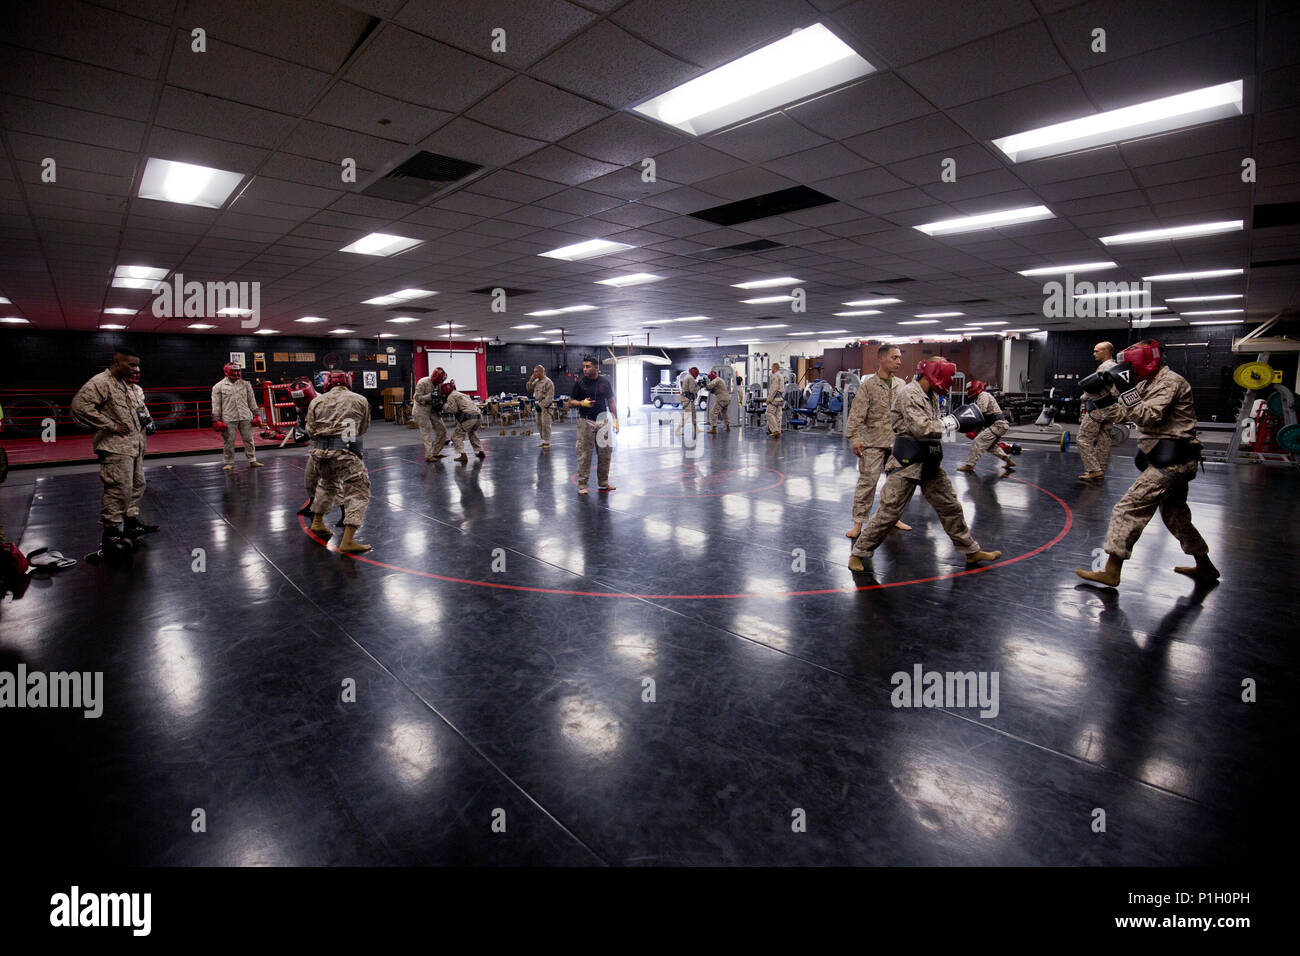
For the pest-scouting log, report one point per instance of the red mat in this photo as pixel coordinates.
(78, 449)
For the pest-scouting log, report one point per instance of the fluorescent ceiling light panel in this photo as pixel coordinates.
(311, 318)
(1158, 321)
(793, 68)
(552, 331)
(403, 319)
(1204, 298)
(139, 272)
(239, 312)
(266, 332)
(1174, 232)
(524, 326)
(14, 320)
(801, 333)
(4, 301)
(692, 318)
(1206, 274)
(1110, 295)
(1215, 312)
(380, 244)
(121, 311)
(934, 315)
(636, 278)
(763, 300)
(168, 181)
(1062, 270)
(586, 250)
(200, 325)
(342, 331)
(405, 295)
(844, 315)
(925, 321)
(1133, 309)
(111, 325)
(1220, 322)
(567, 308)
(740, 328)
(388, 335)
(1130, 122)
(538, 338)
(766, 283)
(886, 301)
(986, 220)
(999, 322)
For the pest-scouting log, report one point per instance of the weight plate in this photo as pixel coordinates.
(1275, 403)
(1289, 438)
(1119, 434)
(1253, 375)
(1065, 441)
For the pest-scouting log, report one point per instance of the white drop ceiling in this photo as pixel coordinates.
(289, 88)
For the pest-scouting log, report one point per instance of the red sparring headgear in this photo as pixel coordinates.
(712, 376)
(233, 371)
(437, 375)
(974, 387)
(1144, 357)
(448, 387)
(302, 392)
(695, 372)
(939, 371)
(338, 377)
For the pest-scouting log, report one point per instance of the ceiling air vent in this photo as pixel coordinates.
(1276, 214)
(420, 177)
(760, 207)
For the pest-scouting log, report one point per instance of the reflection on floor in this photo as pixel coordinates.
(678, 672)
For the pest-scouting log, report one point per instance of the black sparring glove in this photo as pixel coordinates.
(969, 418)
(1123, 378)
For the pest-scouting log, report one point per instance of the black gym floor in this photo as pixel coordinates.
(501, 634)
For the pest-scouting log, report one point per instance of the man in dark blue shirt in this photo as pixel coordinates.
(593, 396)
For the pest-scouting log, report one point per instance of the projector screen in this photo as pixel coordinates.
(462, 365)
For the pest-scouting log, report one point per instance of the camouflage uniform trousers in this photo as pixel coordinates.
(544, 423)
(986, 441)
(870, 465)
(342, 479)
(432, 432)
(718, 409)
(1156, 488)
(123, 478)
(774, 415)
(1094, 437)
(690, 404)
(894, 497)
(467, 429)
(593, 436)
(245, 429)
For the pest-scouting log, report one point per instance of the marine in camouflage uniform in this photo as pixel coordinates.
(719, 402)
(428, 418)
(775, 401)
(989, 437)
(868, 427)
(334, 419)
(235, 403)
(690, 399)
(543, 391)
(1094, 427)
(1165, 410)
(915, 413)
(468, 419)
(110, 403)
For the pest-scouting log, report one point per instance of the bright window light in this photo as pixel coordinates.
(586, 250)
(1216, 312)
(167, 181)
(762, 300)
(380, 244)
(1130, 122)
(844, 315)
(121, 311)
(1206, 274)
(636, 278)
(885, 301)
(766, 283)
(987, 220)
(1204, 298)
(938, 315)
(795, 67)
(1062, 270)
(311, 318)
(1174, 232)
(403, 320)
(925, 321)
